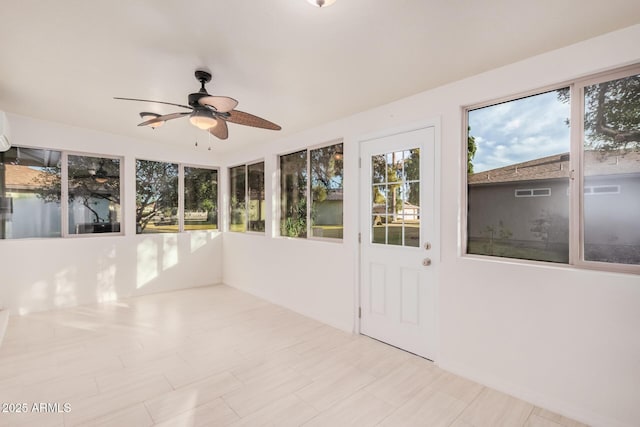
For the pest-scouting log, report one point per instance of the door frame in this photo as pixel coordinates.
(435, 123)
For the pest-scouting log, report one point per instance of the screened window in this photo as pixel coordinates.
(611, 152)
(247, 204)
(316, 211)
(200, 198)
(327, 191)
(156, 197)
(94, 194)
(30, 196)
(522, 147)
(255, 196)
(238, 196)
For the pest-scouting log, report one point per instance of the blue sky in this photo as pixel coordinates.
(520, 130)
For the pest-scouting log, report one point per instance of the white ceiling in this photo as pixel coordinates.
(284, 60)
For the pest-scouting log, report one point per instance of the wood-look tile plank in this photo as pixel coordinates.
(557, 418)
(493, 409)
(168, 405)
(290, 411)
(360, 409)
(212, 414)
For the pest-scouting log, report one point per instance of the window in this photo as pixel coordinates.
(247, 198)
(238, 196)
(316, 211)
(255, 197)
(530, 147)
(30, 183)
(533, 192)
(156, 197)
(33, 202)
(200, 199)
(94, 194)
(611, 153)
(396, 198)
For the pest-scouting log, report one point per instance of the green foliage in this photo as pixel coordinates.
(472, 147)
(612, 114)
(156, 190)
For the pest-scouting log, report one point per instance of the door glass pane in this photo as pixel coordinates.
(378, 166)
(94, 195)
(611, 171)
(379, 230)
(395, 202)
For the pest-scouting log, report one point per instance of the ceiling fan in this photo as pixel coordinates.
(206, 112)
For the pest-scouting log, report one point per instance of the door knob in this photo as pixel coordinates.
(426, 262)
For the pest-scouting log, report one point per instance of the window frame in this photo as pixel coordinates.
(181, 189)
(576, 178)
(308, 194)
(246, 196)
(64, 194)
(181, 194)
(64, 198)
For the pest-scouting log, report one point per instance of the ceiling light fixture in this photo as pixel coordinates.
(321, 3)
(203, 119)
(148, 116)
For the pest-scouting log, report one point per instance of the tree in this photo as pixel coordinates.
(156, 190)
(611, 114)
(472, 147)
(90, 179)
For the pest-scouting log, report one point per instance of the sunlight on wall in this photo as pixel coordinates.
(106, 277)
(169, 251)
(65, 288)
(198, 240)
(147, 268)
(37, 292)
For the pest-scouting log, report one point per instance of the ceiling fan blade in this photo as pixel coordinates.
(222, 104)
(164, 118)
(156, 102)
(246, 119)
(220, 130)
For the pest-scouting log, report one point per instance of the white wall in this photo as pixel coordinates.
(42, 274)
(563, 338)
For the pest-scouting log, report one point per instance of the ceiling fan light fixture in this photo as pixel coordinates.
(148, 116)
(203, 119)
(321, 3)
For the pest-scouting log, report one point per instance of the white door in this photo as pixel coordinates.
(398, 232)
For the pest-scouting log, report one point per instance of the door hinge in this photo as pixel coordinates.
(359, 237)
(359, 162)
(359, 312)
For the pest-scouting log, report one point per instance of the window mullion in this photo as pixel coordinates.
(181, 188)
(309, 194)
(576, 177)
(64, 194)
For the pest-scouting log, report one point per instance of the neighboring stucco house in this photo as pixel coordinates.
(528, 202)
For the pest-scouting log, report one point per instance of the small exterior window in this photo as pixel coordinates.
(533, 192)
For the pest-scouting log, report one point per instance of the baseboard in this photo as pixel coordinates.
(568, 410)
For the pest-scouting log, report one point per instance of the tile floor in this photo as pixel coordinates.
(218, 356)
